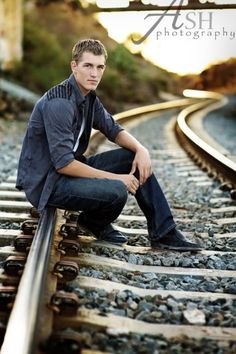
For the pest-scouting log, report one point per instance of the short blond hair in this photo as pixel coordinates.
(88, 45)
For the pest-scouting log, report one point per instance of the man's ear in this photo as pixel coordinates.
(73, 65)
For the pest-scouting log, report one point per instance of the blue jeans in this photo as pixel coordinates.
(102, 200)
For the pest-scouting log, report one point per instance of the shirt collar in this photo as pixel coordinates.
(79, 97)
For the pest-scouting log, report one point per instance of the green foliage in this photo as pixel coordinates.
(45, 62)
(129, 80)
(122, 60)
(74, 4)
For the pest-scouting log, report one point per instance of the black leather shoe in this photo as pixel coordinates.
(108, 233)
(175, 240)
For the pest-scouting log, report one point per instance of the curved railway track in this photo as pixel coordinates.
(80, 295)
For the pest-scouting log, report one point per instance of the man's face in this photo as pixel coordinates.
(88, 72)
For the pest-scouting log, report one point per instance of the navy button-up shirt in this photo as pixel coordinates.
(51, 135)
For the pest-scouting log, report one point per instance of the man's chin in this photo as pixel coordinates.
(91, 87)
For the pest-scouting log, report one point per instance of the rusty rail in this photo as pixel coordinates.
(217, 162)
(23, 321)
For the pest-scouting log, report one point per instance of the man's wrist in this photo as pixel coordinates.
(140, 147)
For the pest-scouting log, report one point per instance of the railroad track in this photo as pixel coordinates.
(77, 294)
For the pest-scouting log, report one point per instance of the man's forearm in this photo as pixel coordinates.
(126, 140)
(79, 169)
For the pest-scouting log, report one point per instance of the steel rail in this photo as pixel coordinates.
(21, 333)
(217, 160)
(18, 91)
(134, 113)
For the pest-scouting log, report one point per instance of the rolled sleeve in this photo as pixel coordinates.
(58, 120)
(104, 122)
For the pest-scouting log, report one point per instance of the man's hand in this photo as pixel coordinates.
(130, 181)
(142, 162)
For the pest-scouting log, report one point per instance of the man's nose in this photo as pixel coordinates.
(93, 72)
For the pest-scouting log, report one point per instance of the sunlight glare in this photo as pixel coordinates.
(180, 54)
(112, 3)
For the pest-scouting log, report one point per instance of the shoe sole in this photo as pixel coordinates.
(113, 242)
(184, 249)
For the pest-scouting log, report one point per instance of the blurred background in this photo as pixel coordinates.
(152, 48)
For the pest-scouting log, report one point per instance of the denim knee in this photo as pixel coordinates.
(118, 192)
(128, 155)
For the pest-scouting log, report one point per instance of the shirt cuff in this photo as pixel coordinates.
(64, 161)
(115, 132)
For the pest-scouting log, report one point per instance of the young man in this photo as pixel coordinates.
(53, 170)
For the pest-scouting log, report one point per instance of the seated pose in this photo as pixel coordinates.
(54, 172)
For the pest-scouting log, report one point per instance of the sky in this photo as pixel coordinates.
(185, 42)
